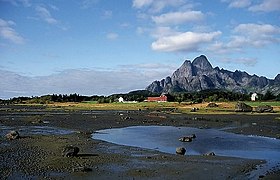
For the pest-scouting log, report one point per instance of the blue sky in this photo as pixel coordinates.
(114, 46)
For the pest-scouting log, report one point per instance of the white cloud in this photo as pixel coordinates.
(155, 6)
(141, 3)
(248, 35)
(175, 18)
(112, 36)
(45, 15)
(255, 6)
(238, 3)
(266, 6)
(8, 33)
(187, 41)
(25, 3)
(258, 35)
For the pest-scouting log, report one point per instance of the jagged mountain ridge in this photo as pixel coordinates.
(200, 75)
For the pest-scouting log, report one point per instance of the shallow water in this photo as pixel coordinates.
(29, 130)
(165, 139)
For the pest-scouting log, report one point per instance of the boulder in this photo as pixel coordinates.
(12, 135)
(180, 150)
(212, 105)
(242, 107)
(264, 108)
(186, 139)
(70, 151)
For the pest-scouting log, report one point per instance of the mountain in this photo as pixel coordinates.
(200, 75)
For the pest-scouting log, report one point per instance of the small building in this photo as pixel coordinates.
(254, 97)
(161, 98)
(121, 99)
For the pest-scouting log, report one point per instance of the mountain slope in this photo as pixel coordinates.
(200, 75)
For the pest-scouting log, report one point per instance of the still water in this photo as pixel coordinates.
(165, 139)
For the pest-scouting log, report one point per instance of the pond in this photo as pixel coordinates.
(165, 139)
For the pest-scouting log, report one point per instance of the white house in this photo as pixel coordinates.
(254, 97)
(121, 99)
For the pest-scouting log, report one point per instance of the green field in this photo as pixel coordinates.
(259, 103)
(184, 107)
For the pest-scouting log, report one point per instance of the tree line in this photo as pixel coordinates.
(141, 95)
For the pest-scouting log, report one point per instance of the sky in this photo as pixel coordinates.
(101, 47)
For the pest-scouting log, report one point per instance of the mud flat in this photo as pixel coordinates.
(45, 132)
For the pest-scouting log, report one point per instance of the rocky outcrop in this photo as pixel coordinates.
(200, 75)
(242, 107)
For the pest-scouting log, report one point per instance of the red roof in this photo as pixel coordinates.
(162, 98)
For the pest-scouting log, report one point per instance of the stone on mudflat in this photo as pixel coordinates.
(180, 150)
(70, 151)
(12, 135)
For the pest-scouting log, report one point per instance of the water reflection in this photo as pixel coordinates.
(165, 139)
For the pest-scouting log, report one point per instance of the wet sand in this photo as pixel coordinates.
(37, 156)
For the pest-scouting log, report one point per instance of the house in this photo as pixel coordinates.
(161, 98)
(254, 97)
(121, 99)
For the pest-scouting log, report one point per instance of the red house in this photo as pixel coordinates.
(162, 98)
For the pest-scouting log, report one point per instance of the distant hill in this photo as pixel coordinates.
(200, 75)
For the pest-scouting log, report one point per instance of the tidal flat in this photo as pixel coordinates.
(44, 132)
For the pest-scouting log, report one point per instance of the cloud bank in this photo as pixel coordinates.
(83, 81)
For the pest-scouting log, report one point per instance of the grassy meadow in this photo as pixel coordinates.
(173, 107)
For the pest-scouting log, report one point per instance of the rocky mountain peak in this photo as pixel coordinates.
(200, 75)
(202, 63)
(277, 78)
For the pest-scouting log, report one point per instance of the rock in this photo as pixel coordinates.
(12, 135)
(186, 139)
(242, 107)
(264, 108)
(209, 154)
(212, 105)
(180, 150)
(82, 169)
(70, 151)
